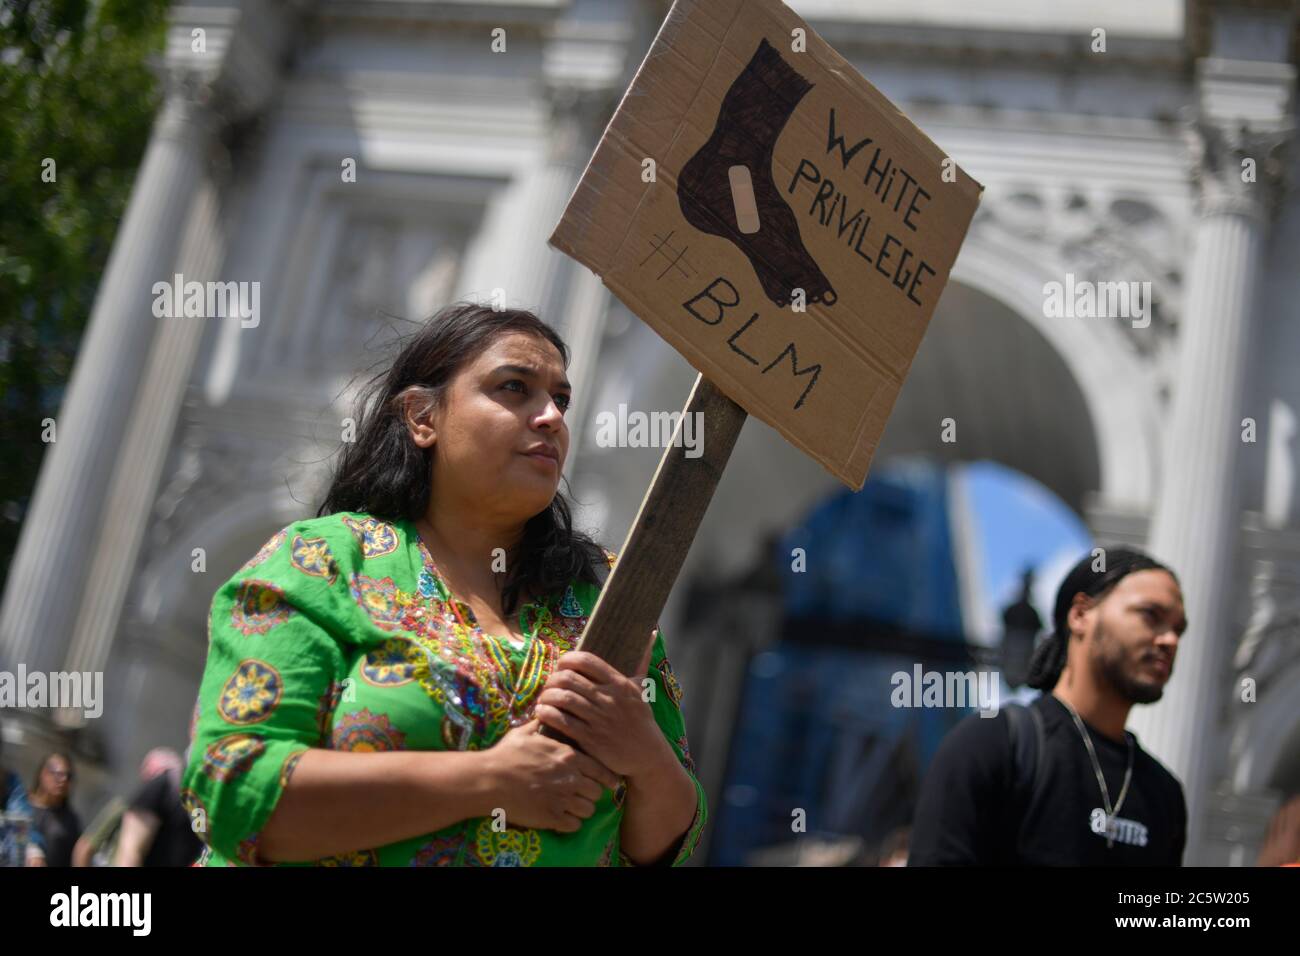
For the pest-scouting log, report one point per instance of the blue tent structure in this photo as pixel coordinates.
(883, 555)
(816, 730)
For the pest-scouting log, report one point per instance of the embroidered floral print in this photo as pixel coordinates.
(259, 606)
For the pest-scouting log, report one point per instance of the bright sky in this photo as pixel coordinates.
(1018, 522)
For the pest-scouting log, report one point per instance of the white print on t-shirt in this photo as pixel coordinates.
(1125, 831)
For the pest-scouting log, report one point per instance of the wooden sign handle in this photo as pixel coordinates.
(633, 597)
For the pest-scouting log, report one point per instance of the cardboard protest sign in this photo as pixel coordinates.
(777, 220)
(783, 226)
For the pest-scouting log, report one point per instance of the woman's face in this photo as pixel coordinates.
(56, 777)
(501, 410)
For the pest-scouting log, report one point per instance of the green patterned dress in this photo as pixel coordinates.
(340, 633)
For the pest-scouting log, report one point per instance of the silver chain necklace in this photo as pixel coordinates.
(1111, 814)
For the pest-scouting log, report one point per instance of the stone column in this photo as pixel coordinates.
(235, 79)
(585, 309)
(81, 537)
(581, 313)
(1197, 518)
(129, 498)
(59, 531)
(536, 269)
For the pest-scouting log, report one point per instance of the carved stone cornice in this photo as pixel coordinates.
(1199, 17)
(1117, 238)
(585, 70)
(227, 58)
(533, 16)
(1222, 152)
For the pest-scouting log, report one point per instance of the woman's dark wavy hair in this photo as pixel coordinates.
(1050, 655)
(384, 473)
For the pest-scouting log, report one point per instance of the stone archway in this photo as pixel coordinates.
(1117, 388)
(1007, 393)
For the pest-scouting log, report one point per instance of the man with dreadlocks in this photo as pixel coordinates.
(1061, 782)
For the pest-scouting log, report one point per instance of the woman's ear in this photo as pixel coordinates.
(417, 415)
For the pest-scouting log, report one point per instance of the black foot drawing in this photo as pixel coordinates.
(726, 188)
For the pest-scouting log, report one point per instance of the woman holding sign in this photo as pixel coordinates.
(377, 676)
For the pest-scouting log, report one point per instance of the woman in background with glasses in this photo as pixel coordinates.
(52, 815)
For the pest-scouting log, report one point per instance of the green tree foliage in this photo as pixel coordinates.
(78, 86)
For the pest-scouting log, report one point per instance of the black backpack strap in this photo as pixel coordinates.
(1040, 764)
(1028, 769)
(1025, 748)
(1022, 753)
(1028, 742)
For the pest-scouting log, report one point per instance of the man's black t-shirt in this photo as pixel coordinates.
(969, 813)
(175, 843)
